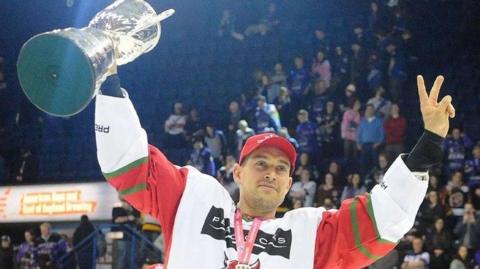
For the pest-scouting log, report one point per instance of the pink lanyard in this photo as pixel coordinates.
(244, 249)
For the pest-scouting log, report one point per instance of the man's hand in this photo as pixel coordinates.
(112, 69)
(435, 115)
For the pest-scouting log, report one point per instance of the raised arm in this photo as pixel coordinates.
(367, 227)
(139, 172)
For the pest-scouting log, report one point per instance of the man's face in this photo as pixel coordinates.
(298, 62)
(264, 178)
(320, 87)
(417, 245)
(319, 34)
(456, 133)
(278, 68)
(178, 108)
(369, 111)
(5, 243)
(233, 107)
(301, 117)
(45, 230)
(476, 152)
(28, 237)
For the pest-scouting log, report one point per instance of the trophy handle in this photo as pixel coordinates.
(150, 22)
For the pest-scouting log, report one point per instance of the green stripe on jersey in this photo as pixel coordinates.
(126, 168)
(134, 189)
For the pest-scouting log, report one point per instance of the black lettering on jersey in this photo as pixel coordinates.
(218, 227)
(102, 129)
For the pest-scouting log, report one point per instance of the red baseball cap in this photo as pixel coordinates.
(269, 140)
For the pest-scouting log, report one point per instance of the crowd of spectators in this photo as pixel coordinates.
(342, 108)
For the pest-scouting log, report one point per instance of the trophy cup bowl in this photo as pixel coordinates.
(61, 71)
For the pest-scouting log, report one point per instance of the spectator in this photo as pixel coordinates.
(468, 229)
(283, 132)
(458, 193)
(305, 133)
(279, 77)
(320, 41)
(476, 196)
(84, 253)
(370, 137)
(397, 73)
(285, 107)
(321, 68)
(201, 157)
(151, 230)
(122, 215)
(27, 252)
(418, 258)
(435, 185)
(327, 190)
(266, 117)
(6, 252)
(228, 181)
(227, 26)
(269, 89)
(455, 147)
(374, 76)
(349, 127)
(430, 210)
(472, 167)
(304, 189)
(349, 97)
(341, 67)
(298, 79)
(194, 125)
(318, 102)
(439, 242)
(395, 128)
(358, 63)
(174, 134)
(375, 176)
(328, 130)
(304, 163)
(381, 104)
(462, 259)
(336, 170)
(50, 247)
(234, 117)
(266, 24)
(216, 142)
(354, 188)
(242, 134)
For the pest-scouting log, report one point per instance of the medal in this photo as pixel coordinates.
(244, 249)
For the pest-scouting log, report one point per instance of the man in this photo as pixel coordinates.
(50, 247)
(456, 148)
(369, 137)
(472, 167)
(304, 189)
(418, 259)
(122, 215)
(6, 252)
(204, 228)
(305, 133)
(395, 127)
(467, 229)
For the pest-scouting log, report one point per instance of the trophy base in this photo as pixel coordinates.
(56, 75)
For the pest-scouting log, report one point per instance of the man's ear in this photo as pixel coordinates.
(290, 181)
(237, 171)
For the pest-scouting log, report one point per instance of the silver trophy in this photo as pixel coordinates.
(61, 71)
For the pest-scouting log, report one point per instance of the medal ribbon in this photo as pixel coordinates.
(244, 249)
